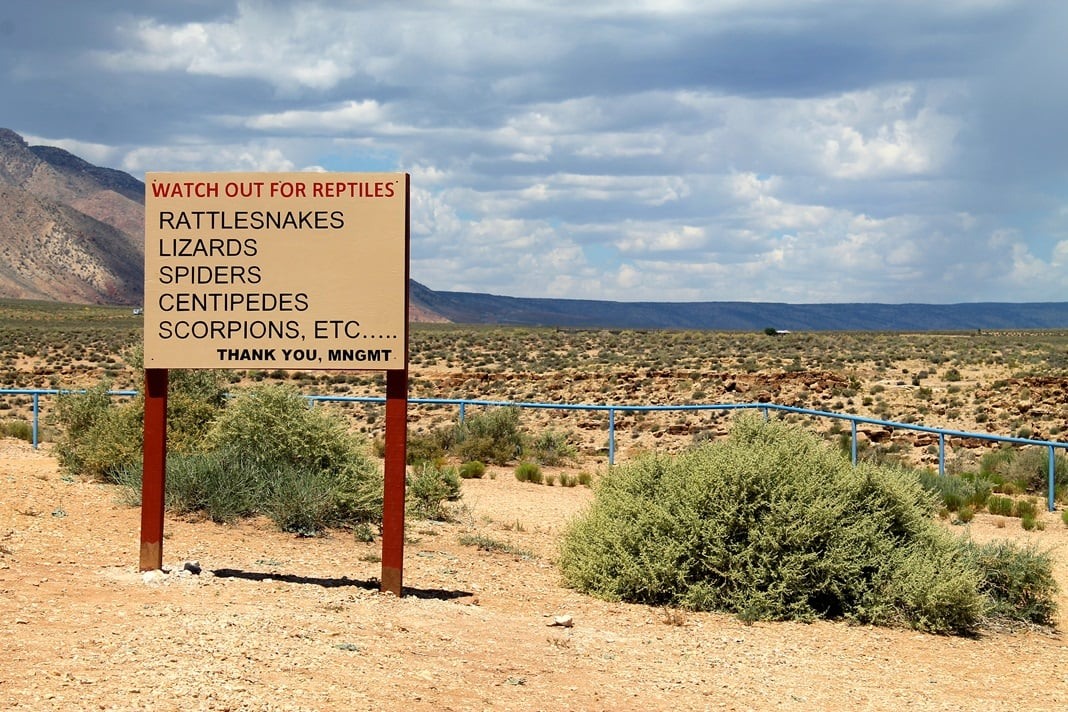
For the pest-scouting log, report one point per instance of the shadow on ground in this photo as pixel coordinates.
(371, 584)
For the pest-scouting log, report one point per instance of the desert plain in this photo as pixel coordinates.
(246, 617)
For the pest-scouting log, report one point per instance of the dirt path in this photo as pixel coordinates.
(282, 623)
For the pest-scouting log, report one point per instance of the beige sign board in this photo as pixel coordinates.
(276, 270)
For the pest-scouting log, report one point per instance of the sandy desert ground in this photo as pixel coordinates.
(277, 622)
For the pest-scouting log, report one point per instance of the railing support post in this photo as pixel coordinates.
(153, 469)
(36, 418)
(1052, 484)
(393, 486)
(853, 442)
(611, 436)
(941, 454)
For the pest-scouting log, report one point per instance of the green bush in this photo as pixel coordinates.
(1019, 582)
(773, 524)
(430, 488)
(99, 438)
(1000, 505)
(432, 446)
(194, 398)
(472, 470)
(995, 462)
(101, 435)
(20, 429)
(273, 430)
(492, 437)
(529, 472)
(956, 491)
(551, 449)
(273, 425)
(1025, 469)
(265, 452)
(1030, 469)
(223, 487)
(1024, 508)
(302, 499)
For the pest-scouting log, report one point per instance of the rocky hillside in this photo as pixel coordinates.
(69, 231)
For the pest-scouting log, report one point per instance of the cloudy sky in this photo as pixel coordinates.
(667, 150)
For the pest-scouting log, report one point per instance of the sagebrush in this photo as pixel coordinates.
(772, 523)
(263, 451)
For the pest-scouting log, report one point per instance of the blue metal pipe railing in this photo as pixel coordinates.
(765, 408)
(38, 392)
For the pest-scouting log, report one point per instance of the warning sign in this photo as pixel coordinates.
(276, 270)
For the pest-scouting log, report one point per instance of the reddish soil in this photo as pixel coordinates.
(276, 622)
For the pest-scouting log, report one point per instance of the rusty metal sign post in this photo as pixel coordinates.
(154, 468)
(303, 271)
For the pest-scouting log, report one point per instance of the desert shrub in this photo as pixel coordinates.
(222, 487)
(20, 429)
(1019, 582)
(1008, 488)
(1030, 469)
(78, 412)
(432, 446)
(1025, 470)
(493, 436)
(995, 462)
(272, 424)
(266, 452)
(194, 398)
(981, 491)
(299, 498)
(1000, 505)
(551, 449)
(472, 470)
(956, 491)
(1024, 508)
(773, 524)
(951, 491)
(99, 438)
(101, 435)
(430, 488)
(272, 429)
(529, 472)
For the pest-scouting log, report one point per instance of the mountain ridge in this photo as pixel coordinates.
(474, 308)
(69, 231)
